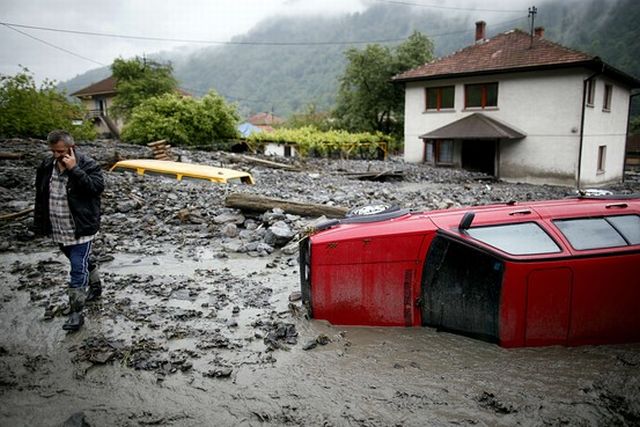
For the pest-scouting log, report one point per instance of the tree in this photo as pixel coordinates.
(30, 111)
(367, 99)
(182, 120)
(139, 79)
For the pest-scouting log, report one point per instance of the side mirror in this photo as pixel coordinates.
(466, 221)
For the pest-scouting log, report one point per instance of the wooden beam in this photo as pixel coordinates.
(255, 203)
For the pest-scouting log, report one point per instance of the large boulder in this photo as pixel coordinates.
(279, 234)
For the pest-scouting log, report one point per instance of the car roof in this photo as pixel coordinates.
(180, 170)
(448, 220)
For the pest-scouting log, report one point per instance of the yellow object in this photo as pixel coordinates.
(181, 170)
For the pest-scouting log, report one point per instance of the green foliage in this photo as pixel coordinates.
(309, 140)
(137, 80)
(182, 120)
(321, 120)
(367, 99)
(29, 111)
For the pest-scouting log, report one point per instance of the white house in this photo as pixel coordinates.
(522, 108)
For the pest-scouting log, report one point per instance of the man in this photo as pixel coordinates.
(67, 207)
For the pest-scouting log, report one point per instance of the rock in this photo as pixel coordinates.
(309, 345)
(76, 420)
(235, 218)
(223, 372)
(279, 234)
(291, 248)
(295, 296)
(230, 230)
(127, 206)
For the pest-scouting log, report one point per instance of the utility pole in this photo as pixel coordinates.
(532, 14)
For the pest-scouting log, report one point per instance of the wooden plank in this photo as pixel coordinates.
(256, 203)
(157, 143)
(16, 214)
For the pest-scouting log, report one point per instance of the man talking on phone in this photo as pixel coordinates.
(67, 207)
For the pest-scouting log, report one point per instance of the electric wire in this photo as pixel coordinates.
(232, 43)
(53, 45)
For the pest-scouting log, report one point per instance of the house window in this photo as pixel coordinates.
(602, 157)
(439, 152)
(591, 92)
(608, 91)
(439, 98)
(481, 95)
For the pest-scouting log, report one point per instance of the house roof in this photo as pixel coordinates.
(105, 86)
(475, 126)
(108, 86)
(265, 119)
(510, 52)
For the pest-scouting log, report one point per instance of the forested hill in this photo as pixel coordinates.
(289, 78)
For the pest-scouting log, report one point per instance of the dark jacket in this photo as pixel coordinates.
(84, 186)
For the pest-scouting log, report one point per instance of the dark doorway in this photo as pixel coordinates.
(479, 155)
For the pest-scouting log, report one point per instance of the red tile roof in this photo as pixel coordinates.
(507, 52)
(106, 86)
(265, 119)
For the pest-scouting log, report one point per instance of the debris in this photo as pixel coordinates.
(256, 203)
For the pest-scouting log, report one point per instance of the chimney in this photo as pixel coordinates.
(480, 27)
(539, 32)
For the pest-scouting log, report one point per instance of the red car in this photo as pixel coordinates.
(532, 274)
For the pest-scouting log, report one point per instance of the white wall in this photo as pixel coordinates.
(546, 106)
(606, 128)
(272, 149)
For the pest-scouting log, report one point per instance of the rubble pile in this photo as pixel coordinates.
(197, 290)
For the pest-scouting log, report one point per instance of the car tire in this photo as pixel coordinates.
(373, 213)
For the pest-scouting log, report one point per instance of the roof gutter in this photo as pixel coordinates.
(582, 115)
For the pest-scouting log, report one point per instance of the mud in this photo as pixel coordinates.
(200, 326)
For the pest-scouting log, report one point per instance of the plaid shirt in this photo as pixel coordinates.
(62, 225)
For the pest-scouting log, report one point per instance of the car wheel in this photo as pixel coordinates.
(373, 213)
(371, 210)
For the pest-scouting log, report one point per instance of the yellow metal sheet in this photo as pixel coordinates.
(180, 170)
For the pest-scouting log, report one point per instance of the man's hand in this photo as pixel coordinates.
(69, 160)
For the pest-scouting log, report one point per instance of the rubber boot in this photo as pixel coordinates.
(95, 285)
(77, 298)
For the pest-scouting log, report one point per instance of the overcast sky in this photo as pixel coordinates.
(217, 20)
(179, 19)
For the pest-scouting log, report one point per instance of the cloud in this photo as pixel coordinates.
(185, 19)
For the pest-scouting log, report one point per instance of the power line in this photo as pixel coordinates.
(178, 40)
(51, 44)
(232, 43)
(434, 6)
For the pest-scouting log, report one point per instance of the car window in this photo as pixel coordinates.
(517, 239)
(628, 226)
(590, 233)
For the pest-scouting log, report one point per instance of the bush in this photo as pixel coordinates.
(182, 120)
(309, 140)
(29, 111)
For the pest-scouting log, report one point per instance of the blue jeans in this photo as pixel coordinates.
(80, 265)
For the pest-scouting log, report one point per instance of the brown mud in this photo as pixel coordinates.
(196, 327)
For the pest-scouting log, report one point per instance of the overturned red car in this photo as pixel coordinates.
(561, 272)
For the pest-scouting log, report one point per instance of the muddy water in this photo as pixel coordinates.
(175, 302)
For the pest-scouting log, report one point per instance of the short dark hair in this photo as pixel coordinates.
(60, 135)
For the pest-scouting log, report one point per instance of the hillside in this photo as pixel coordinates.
(285, 79)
